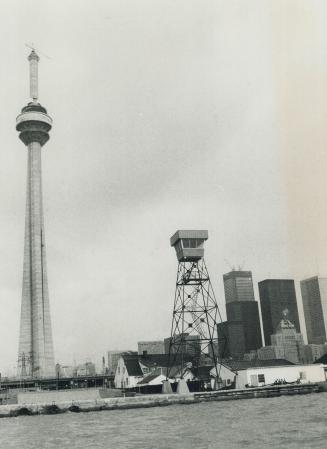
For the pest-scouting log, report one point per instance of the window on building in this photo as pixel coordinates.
(186, 243)
(261, 378)
(192, 243)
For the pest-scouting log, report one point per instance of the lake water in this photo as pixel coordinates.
(286, 422)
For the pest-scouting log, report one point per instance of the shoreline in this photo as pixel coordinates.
(154, 400)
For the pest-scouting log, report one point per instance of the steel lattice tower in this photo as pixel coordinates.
(35, 353)
(195, 315)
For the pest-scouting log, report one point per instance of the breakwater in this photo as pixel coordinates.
(157, 400)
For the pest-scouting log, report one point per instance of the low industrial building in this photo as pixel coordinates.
(256, 373)
(151, 347)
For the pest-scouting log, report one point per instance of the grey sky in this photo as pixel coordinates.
(167, 115)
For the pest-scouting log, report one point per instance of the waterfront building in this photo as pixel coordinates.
(113, 357)
(128, 372)
(35, 353)
(238, 286)
(151, 347)
(277, 296)
(133, 368)
(314, 297)
(266, 372)
(286, 344)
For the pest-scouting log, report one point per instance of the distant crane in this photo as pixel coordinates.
(32, 47)
(233, 268)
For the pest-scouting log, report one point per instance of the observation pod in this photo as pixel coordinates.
(189, 245)
(34, 124)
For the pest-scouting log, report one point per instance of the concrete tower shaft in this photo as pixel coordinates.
(34, 59)
(35, 354)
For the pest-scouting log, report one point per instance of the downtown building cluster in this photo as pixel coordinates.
(240, 335)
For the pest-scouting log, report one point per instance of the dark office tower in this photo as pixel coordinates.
(247, 313)
(276, 297)
(231, 341)
(314, 296)
(238, 286)
(243, 322)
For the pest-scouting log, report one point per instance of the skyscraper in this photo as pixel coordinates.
(247, 313)
(238, 286)
(35, 353)
(243, 322)
(231, 341)
(277, 297)
(314, 297)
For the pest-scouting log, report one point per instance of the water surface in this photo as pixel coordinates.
(285, 422)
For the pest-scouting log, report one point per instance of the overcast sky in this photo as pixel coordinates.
(168, 114)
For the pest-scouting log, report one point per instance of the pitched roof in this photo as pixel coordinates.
(163, 360)
(322, 359)
(132, 364)
(202, 372)
(147, 379)
(237, 365)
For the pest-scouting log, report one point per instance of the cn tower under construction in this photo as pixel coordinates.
(35, 353)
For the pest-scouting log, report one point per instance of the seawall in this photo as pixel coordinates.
(157, 400)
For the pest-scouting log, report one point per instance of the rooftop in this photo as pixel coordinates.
(237, 365)
(322, 359)
(188, 234)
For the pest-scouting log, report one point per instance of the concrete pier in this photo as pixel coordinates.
(157, 400)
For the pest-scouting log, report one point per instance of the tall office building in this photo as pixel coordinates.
(35, 353)
(242, 329)
(277, 297)
(238, 286)
(314, 297)
(247, 313)
(231, 341)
